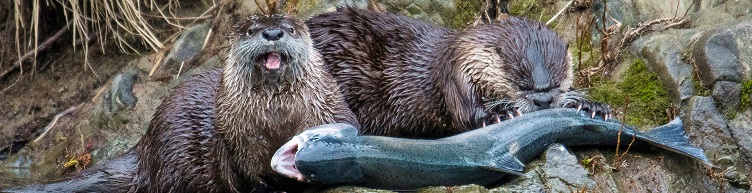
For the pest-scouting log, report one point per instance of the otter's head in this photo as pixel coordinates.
(268, 49)
(517, 65)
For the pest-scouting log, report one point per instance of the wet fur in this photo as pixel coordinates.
(217, 131)
(408, 78)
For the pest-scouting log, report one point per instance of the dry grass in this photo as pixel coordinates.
(106, 21)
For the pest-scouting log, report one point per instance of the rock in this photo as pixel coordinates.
(562, 172)
(716, 55)
(706, 128)
(472, 188)
(741, 131)
(528, 183)
(664, 55)
(742, 32)
(120, 94)
(735, 176)
(727, 94)
(354, 189)
(187, 47)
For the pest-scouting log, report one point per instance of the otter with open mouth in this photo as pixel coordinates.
(217, 131)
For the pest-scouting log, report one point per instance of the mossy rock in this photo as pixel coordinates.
(648, 99)
(746, 101)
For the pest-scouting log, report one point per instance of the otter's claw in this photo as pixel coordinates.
(594, 108)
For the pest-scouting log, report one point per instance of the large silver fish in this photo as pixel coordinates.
(336, 154)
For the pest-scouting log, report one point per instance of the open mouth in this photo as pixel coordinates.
(283, 160)
(272, 61)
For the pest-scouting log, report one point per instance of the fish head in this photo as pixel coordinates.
(319, 154)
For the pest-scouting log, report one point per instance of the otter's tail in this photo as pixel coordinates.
(116, 175)
(673, 138)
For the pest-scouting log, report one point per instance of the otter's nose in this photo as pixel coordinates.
(272, 34)
(543, 100)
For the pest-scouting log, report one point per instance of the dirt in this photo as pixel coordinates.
(60, 82)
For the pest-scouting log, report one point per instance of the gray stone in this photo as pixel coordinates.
(664, 55)
(528, 183)
(743, 33)
(717, 57)
(188, 46)
(120, 93)
(562, 172)
(706, 128)
(741, 131)
(727, 94)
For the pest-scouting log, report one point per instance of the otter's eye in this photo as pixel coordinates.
(291, 30)
(251, 29)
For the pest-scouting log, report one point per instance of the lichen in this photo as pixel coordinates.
(745, 101)
(648, 99)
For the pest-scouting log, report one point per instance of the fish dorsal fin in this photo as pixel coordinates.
(506, 163)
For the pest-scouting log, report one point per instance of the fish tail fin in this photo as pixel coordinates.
(673, 137)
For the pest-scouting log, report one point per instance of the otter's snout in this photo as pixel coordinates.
(273, 34)
(542, 100)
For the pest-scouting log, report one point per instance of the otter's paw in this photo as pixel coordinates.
(594, 108)
(494, 118)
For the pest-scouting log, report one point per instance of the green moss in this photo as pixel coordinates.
(745, 101)
(466, 12)
(648, 99)
(533, 9)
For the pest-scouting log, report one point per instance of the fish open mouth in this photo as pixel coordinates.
(272, 61)
(283, 160)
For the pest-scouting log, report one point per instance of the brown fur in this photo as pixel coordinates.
(405, 77)
(217, 131)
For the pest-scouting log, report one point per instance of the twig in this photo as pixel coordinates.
(560, 12)
(618, 157)
(610, 55)
(41, 47)
(54, 121)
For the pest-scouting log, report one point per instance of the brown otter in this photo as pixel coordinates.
(217, 131)
(404, 77)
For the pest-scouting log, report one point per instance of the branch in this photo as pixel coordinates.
(54, 120)
(39, 48)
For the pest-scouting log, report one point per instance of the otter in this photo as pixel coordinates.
(218, 130)
(403, 77)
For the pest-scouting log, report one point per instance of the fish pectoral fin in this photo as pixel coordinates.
(506, 163)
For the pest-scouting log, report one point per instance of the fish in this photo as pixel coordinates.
(335, 154)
